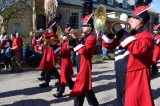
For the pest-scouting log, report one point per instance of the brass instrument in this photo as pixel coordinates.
(68, 34)
(60, 33)
(42, 37)
(99, 18)
(121, 25)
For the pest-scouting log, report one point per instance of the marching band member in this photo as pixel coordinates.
(66, 70)
(156, 53)
(83, 83)
(133, 58)
(48, 62)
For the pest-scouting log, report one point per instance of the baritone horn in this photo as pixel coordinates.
(99, 18)
(60, 33)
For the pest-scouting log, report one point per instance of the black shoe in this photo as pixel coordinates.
(41, 78)
(57, 95)
(43, 85)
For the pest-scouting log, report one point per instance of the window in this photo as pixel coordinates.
(124, 3)
(76, 16)
(110, 2)
(16, 27)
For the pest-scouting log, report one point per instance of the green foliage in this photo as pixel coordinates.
(13, 10)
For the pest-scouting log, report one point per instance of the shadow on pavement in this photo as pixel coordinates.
(104, 87)
(156, 93)
(30, 102)
(103, 77)
(101, 72)
(27, 91)
(64, 98)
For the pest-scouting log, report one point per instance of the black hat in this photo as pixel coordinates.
(141, 13)
(87, 20)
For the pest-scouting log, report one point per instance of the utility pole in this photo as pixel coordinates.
(34, 17)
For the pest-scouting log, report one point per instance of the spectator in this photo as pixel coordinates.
(16, 47)
(105, 55)
(6, 51)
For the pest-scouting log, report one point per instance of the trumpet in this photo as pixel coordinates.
(73, 33)
(117, 26)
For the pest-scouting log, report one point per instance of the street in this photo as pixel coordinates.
(22, 89)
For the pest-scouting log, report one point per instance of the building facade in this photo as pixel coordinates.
(117, 10)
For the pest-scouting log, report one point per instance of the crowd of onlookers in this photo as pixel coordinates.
(10, 47)
(12, 52)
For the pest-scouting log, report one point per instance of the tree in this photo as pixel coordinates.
(14, 11)
(1, 25)
(50, 7)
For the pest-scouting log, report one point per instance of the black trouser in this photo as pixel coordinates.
(48, 75)
(120, 87)
(7, 61)
(154, 69)
(73, 57)
(78, 62)
(43, 74)
(92, 100)
(61, 88)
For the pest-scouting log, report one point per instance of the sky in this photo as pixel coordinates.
(156, 5)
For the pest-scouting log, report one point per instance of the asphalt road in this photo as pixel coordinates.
(22, 89)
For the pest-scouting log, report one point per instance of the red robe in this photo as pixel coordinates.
(48, 61)
(133, 56)
(156, 53)
(66, 69)
(83, 80)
